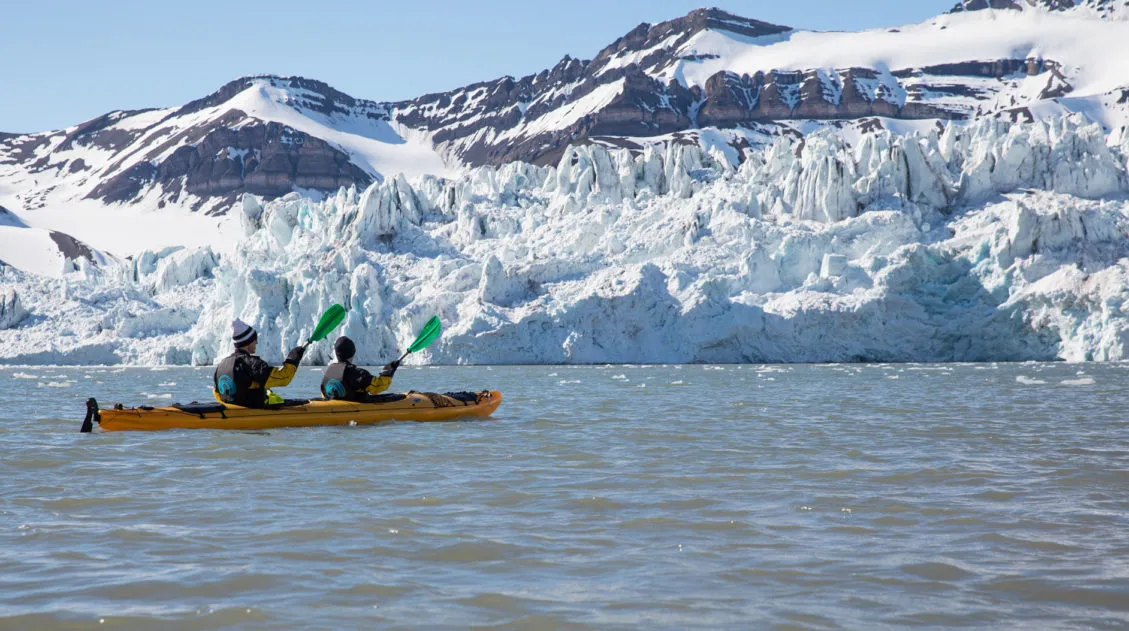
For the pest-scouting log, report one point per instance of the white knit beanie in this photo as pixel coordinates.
(242, 333)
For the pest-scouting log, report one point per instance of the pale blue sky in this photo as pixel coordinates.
(65, 61)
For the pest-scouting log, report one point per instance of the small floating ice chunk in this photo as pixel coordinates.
(55, 384)
(1084, 381)
(24, 375)
(677, 383)
(1029, 381)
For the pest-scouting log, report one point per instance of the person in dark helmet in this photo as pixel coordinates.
(242, 378)
(345, 381)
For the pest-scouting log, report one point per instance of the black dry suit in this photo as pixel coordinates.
(345, 381)
(242, 378)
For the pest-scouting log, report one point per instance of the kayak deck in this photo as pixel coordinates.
(410, 406)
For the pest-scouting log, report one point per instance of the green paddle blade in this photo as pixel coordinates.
(429, 334)
(330, 320)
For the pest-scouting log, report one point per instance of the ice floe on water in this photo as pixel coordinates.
(1030, 381)
(1084, 381)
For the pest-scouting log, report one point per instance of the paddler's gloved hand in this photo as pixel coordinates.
(295, 355)
(390, 369)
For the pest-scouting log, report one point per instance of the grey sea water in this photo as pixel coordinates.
(673, 497)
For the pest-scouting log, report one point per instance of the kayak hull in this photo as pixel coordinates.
(414, 406)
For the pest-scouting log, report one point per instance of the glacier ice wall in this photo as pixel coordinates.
(989, 241)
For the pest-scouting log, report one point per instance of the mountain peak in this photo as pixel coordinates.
(716, 19)
(673, 33)
(327, 99)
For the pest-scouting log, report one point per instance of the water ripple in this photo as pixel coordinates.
(794, 497)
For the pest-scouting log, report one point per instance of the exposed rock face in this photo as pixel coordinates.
(267, 159)
(95, 133)
(71, 247)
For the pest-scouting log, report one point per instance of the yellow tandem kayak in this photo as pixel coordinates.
(410, 406)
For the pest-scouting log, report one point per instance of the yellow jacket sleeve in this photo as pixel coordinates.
(378, 385)
(281, 376)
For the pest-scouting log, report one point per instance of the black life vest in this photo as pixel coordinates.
(334, 385)
(233, 379)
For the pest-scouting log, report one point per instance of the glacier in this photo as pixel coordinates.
(986, 241)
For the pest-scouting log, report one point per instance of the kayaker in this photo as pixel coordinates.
(345, 381)
(242, 378)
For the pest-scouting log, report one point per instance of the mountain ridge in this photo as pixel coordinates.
(1106, 9)
(709, 78)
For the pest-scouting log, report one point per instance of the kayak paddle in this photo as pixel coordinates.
(330, 320)
(428, 334)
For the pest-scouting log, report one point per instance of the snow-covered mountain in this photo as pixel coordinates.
(708, 77)
(263, 135)
(711, 188)
(711, 70)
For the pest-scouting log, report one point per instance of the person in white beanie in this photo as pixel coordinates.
(243, 378)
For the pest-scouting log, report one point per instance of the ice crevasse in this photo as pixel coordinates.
(987, 241)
